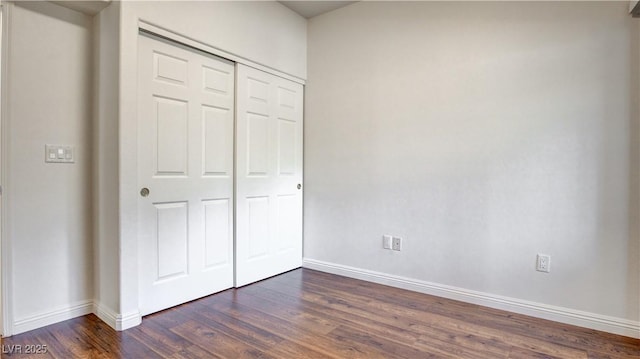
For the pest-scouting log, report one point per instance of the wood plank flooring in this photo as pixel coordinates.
(309, 314)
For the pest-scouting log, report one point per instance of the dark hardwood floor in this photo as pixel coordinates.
(309, 314)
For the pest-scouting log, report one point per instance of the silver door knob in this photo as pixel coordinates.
(144, 192)
(299, 186)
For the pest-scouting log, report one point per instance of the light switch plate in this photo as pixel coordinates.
(59, 154)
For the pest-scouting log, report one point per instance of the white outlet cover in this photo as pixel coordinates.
(543, 263)
(396, 244)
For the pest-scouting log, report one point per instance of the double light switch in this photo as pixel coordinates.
(59, 154)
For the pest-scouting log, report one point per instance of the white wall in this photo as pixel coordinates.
(49, 210)
(106, 43)
(481, 133)
(264, 32)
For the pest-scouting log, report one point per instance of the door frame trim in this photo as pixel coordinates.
(6, 325)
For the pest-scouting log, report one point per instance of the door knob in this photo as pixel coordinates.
(144, 192)
(299, 186)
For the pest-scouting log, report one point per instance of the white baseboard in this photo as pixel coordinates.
(603, 323)
(59, 315)
(118, 322)
(129, 320)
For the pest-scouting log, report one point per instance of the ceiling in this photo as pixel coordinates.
(89, 7)
(306, 8)
(310, 9)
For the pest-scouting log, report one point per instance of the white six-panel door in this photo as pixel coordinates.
(268, 175)
(185, 161)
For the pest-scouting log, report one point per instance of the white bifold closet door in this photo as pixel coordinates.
(185, 164)
(268, 175)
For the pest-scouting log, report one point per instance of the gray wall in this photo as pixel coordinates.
(483, 134)
(50, 215)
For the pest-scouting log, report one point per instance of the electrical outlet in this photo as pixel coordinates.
(543, 263)
(396, 243)
(386, 241)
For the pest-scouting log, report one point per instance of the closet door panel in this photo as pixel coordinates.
(185, 174)
(268, 175)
